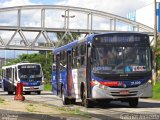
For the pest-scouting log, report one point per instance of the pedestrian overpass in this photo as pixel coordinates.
(36, 27)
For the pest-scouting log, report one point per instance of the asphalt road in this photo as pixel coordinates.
(147, 109)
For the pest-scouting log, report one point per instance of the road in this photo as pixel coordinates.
(147, 108)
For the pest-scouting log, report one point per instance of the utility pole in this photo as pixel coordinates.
(155, 24)
(155, 41)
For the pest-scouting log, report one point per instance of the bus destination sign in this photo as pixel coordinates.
(27, 66)
(120, 39)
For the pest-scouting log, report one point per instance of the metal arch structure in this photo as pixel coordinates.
(43, 30)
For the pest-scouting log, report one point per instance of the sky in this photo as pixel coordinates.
(118, 7)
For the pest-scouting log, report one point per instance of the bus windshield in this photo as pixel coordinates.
(29, 72)
(120, 60)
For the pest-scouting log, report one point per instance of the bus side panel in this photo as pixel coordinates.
(8, 81)
(75, 82)
(5, 84)
(62, 80)
(57, 72)
(81, 77)
(12, 87)
(70, 86)
(54, 83)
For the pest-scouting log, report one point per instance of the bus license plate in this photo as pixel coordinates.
(31, 88)
(124, 92)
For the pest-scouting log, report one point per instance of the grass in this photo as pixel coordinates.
(31, 108)
(1, 100)
(48, 87)
(156, 91)
(74, 111)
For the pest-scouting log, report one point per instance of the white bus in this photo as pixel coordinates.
(29, 74)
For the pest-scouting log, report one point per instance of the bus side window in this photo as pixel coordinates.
(75, 57)
(82, 60)
(74, 62)
(8, 72)
(15, 74)
(83, 54)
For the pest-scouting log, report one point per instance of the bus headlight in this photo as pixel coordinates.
(150, 81)
(94, 82)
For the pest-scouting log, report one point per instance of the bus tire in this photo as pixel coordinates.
(61, 90)
(4, 86)
(65, 100)
(38, 92)
(27, 92)
(10, 92)
(133, 102)
(86, 102)
(73, 101)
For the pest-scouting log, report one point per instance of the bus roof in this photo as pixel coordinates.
(65, 47)
(87, 40)
(12, 66)
(69, 46)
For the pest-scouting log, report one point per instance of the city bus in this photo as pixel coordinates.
(29, 74)
(103, 67)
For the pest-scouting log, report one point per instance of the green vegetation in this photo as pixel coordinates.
(74, 111)
(31, 108)
(48, 87)
(68, 38)
(156, 91)
(1, 100)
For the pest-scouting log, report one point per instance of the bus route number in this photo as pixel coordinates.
(136, 83)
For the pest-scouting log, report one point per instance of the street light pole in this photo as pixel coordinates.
(67, 16)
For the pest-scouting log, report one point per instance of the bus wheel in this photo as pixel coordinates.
(73, 100)
(10, 92)
(27, 92)
(64, 99)
(38, 92)
(133, 102)
(86, 103)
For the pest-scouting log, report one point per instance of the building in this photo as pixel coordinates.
(145, 16)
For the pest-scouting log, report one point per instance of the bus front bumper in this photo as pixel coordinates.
(144, 90)
(33, 88)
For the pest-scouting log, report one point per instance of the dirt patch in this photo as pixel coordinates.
(41, 108)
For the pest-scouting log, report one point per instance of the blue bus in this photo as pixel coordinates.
(102, 68)
(29, 74)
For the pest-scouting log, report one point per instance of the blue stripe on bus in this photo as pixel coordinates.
(34, 83)
(127, 82)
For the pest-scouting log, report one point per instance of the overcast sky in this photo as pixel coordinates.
(119, 7)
